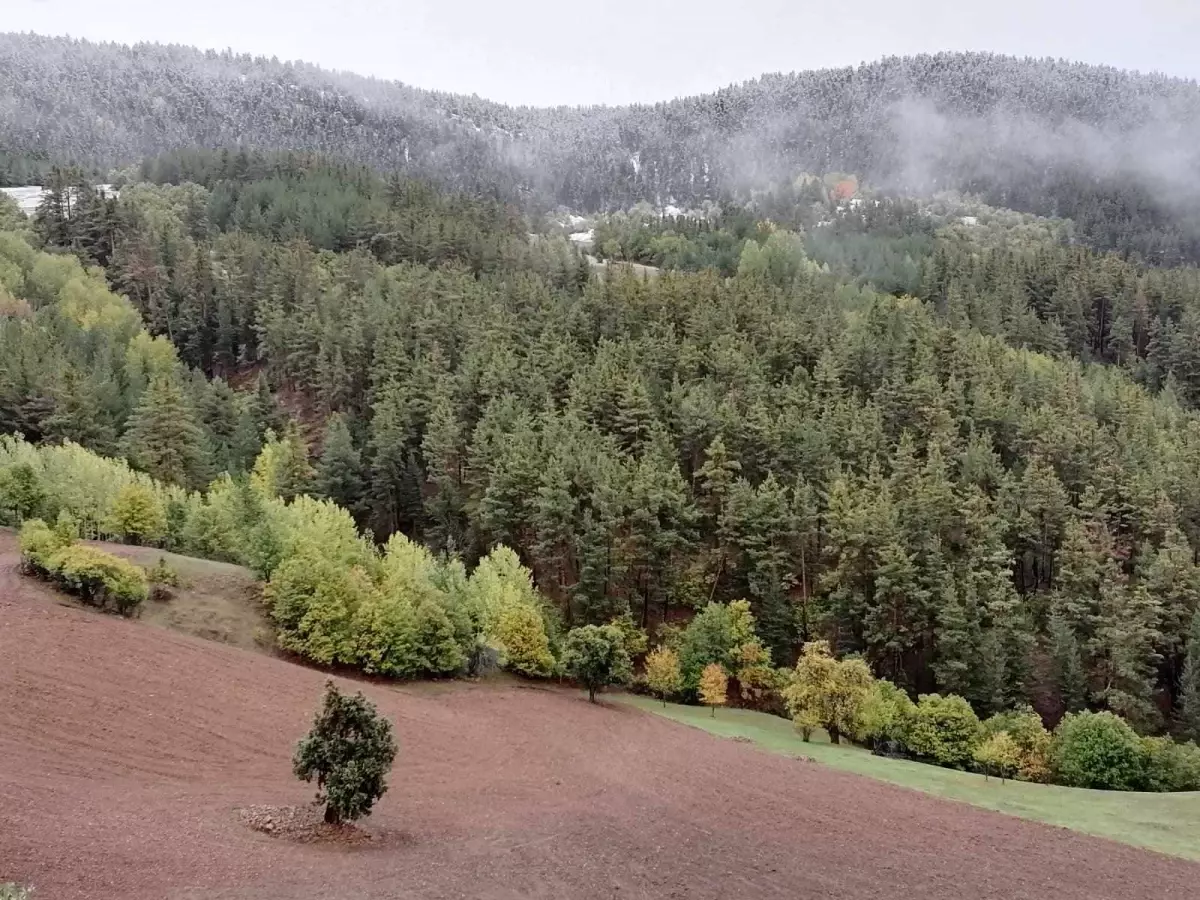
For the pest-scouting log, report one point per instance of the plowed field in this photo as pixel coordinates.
(126, 752)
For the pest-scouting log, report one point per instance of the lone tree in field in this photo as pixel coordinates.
(714, 686)
(595, 655)
(349, 751)
(663, 676)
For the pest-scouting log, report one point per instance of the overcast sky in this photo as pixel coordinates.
(616, 51)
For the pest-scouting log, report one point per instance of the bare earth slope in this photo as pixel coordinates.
(125, 751)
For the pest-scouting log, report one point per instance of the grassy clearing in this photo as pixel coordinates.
(215, 601)
(1168, 823)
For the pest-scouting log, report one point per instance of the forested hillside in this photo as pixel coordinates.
(962, 482)
(1116, 152)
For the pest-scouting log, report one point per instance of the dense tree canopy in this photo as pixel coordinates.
(978, 472)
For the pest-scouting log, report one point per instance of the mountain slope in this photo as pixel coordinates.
(1115, 150)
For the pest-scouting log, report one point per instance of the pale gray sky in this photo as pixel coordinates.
(616, 51)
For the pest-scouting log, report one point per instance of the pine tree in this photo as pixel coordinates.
(1069, 675)
(1189, 685)
(444, 453)
(339, 471)
(293, 474)
(1125, 648)
(634, 416)
(163, 438)
(957, 639)
(394, 494)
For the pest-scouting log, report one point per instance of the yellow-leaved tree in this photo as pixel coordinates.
(137, 515)
(501, 596)
(522, 635)
(663, 675)
(827, 692)
(714, 686)
(999, 755)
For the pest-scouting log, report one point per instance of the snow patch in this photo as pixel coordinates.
(30, 196)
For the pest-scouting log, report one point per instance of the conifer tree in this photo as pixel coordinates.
(293, 475)
(338, 475)
(1069, 674)
(1189, 685)
(163, 438)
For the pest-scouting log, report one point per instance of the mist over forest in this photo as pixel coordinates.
(1118, 152)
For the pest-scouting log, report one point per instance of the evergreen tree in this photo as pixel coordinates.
(1189, 685)
(163, 438)
(349, 752)
(339, 470)
(293, 475)
(1069, 675)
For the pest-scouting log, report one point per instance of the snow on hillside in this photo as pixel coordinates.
(29, 196)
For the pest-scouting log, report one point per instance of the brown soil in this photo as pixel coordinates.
(134, 763)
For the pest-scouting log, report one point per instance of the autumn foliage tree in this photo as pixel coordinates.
(827, 692)
(663, 676)
(714, 686)
(999, 755)
(137, 514)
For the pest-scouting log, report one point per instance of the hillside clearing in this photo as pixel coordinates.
(1168, 823)
(216, 601)
(130, 750)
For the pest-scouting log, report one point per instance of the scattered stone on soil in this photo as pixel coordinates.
(305, 824)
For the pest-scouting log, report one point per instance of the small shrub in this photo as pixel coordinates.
(66, 526)
(349, 752)
(596, 656)
(38, 543)
(163, 581)
(944, 730)
(1171, 766)
(161, 573)
(10, 891)
(805, 722)
(1098, 750)
(99, 578)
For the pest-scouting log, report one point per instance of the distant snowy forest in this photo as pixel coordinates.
(1116, 152)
